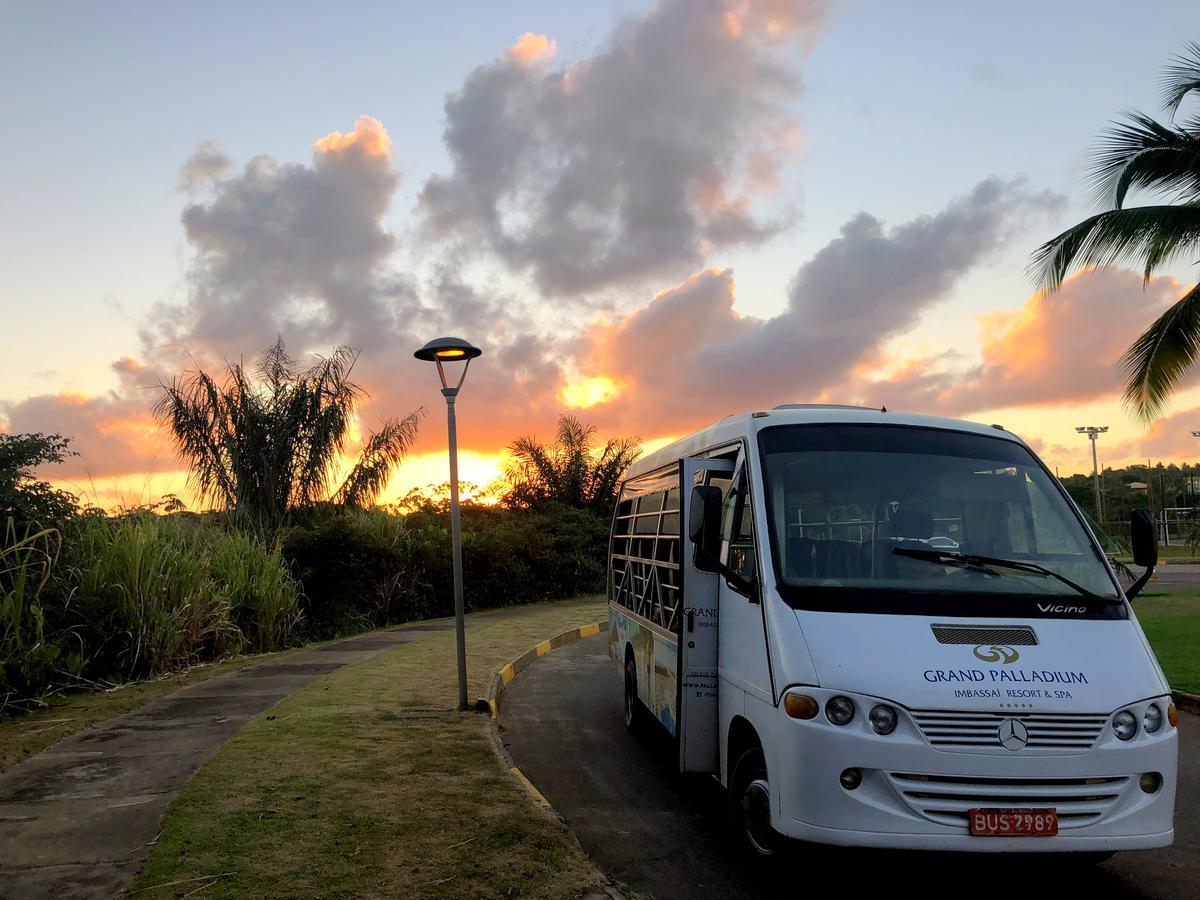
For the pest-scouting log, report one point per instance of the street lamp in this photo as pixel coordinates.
(1091, 431)
(442, 351)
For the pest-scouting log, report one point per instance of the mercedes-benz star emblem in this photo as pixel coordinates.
(1013, 734)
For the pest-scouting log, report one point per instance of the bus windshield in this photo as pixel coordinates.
(890, 518)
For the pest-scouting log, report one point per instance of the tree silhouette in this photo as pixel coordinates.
(270, 439)
(568, 472)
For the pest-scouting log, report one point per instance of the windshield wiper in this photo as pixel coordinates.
(974, 559)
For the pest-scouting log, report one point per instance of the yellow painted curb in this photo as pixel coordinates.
(530, 789)
(504, 676)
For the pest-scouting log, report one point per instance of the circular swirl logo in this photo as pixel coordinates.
(996, 653)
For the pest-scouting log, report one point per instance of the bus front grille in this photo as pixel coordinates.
(945, 728)
(947, 799)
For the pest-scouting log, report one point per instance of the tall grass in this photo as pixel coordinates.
(260, 592)
(156, 593)
(146, 596)
(25, 566)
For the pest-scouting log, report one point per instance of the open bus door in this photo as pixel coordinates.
(699, 746)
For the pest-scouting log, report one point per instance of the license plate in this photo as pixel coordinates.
(986, 822)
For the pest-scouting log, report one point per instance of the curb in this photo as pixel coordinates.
(1187, 702)
(510, 670)
(500, 681)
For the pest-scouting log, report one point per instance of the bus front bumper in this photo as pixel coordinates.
(913, 795)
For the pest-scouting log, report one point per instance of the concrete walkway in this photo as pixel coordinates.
(80, 819)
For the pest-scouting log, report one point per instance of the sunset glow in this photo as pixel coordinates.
(588, 392)
(649, 218)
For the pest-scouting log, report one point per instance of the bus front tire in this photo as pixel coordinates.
(633, 706)
(750, 806)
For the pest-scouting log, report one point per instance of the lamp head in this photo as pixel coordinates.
(449, 350)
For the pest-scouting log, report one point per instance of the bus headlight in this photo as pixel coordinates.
(882, 718)
(840, 710)
(1124, 725)
(1153, 720)
(800, 706)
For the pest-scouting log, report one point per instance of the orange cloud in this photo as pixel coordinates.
(771, 19)
(369, 137)
(531, 48)
(588, 392)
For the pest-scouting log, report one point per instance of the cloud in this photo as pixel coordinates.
(689, 353)
(205, 165)
(1171, 437)
(531, 48)
(1058, 349)
(633, 163)
(114, 432)
(369, 138)
(293, 249)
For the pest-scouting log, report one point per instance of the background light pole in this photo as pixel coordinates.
(1091, 431)
(441, 351)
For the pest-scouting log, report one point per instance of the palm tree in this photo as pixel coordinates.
(568, 472)
(1142, 153)
(269, 440)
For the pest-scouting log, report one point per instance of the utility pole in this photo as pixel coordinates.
(1091, 431)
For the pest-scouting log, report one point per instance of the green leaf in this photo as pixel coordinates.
(1148, 236)
(1162, 355)
(1181, 77)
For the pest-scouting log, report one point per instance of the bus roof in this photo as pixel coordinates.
(734, 427)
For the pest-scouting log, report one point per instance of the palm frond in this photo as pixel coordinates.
(1149, 236)
(268, 439)
(569, 472)
(381, 453)
(1159, 358)
(1143, 153)
(1181, 77)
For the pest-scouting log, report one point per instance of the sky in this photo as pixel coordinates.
(648, 214)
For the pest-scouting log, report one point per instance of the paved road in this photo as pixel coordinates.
(663, 836)
(79, 819)
(1184, 577)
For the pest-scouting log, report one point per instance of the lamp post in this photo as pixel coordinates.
(442, 351)
(1091, 431)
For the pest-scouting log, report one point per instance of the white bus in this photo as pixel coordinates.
(890, 630)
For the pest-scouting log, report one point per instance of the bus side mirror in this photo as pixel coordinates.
(1143, 537)
(704, 527)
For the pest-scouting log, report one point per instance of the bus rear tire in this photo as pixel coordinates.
(750, 806)
(633, 706)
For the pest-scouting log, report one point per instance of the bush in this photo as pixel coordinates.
(352, 566)
(261, 593)
(153, 593)
(26, 658)
(363, 569)
(141, 594)
(146, 598)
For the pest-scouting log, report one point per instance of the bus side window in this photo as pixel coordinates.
(737, 527)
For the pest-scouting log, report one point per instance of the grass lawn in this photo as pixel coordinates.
(1172, 623)
(368, 783)
(21, 736)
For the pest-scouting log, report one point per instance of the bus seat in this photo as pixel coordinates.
(910, 525)
(906, 525)
(808, 558)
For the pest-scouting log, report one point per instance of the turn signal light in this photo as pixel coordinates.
(1172, 715)
(801, 706)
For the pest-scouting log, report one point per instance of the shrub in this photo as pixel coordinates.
(371, 568)
(146, 598)
(154, 593)
(352, 565)
(261, 593)
(26, 657)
